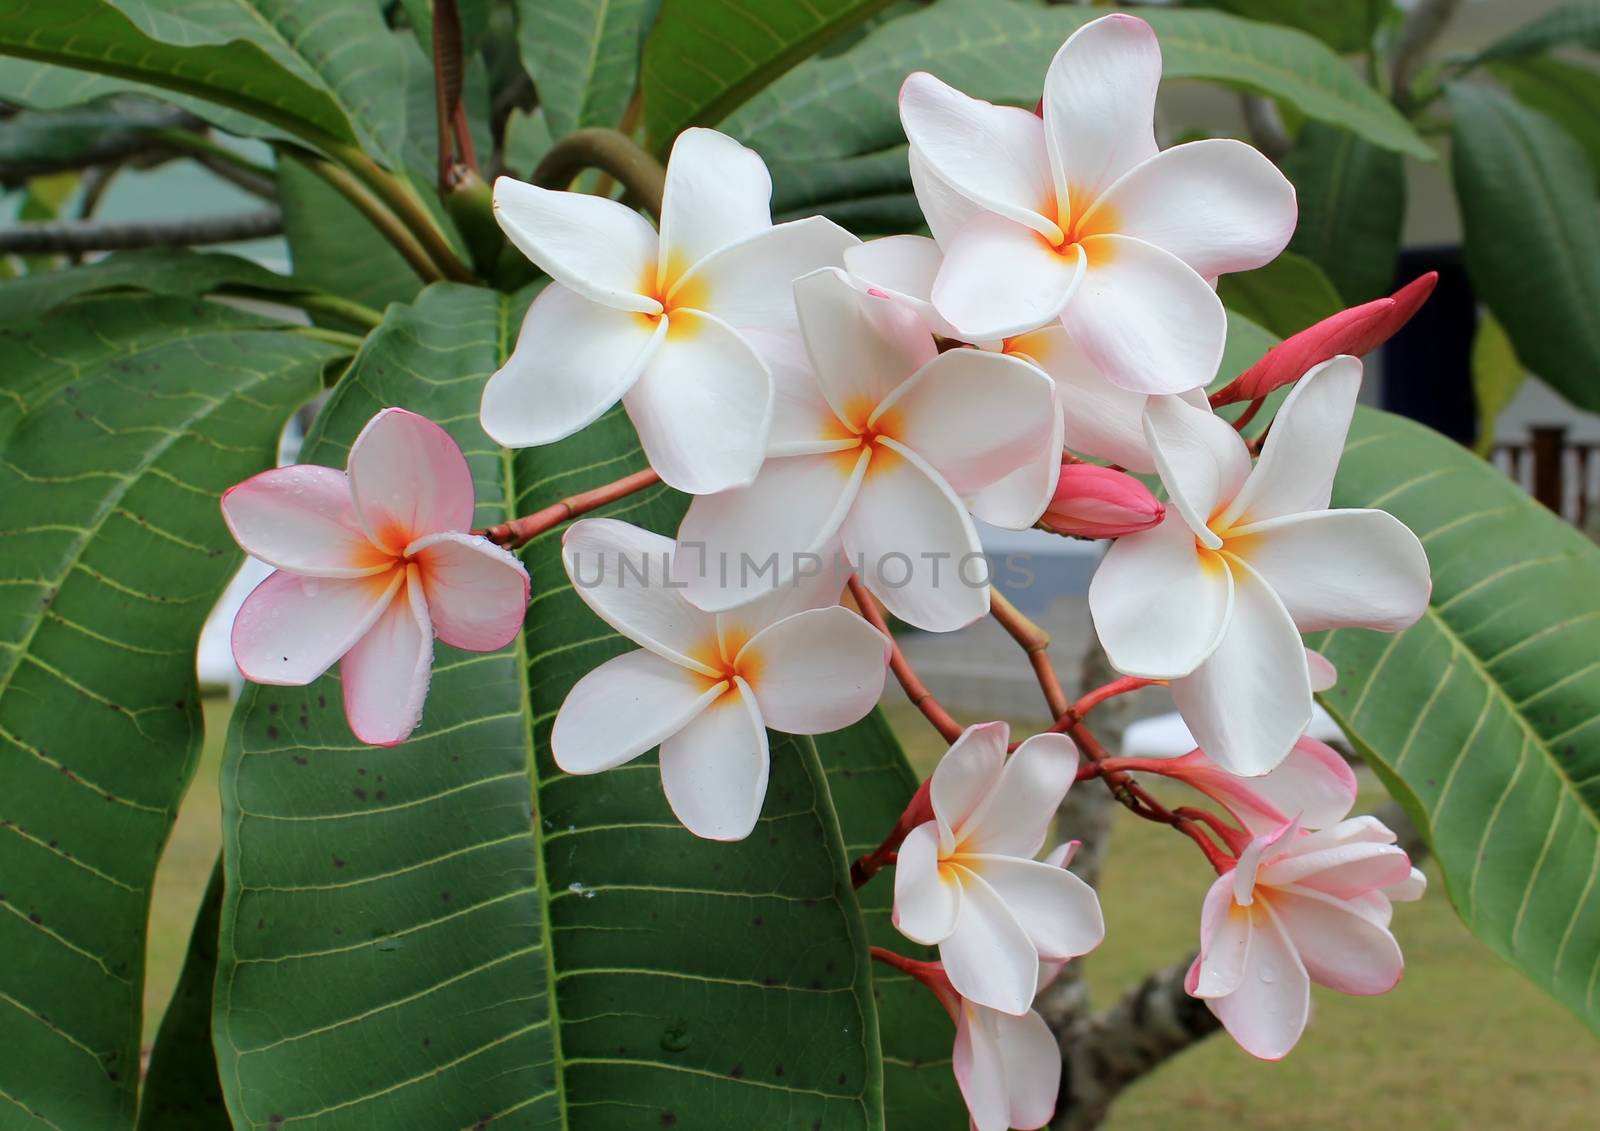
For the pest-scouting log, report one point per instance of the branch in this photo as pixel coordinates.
(520, 531)
(910, 682)
(1421, 28)
(611, 152)
(79, 236)
(1035, 641)
(114, 144)
(1265, 125)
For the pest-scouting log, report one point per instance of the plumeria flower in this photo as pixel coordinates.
(967, 882)
(677, 324)
(878, 444)
(1300, 908)
(1215, 597)
(1008, 1068)
(371, 563)
(704, 686)
(1314, 784)
(1073, 214)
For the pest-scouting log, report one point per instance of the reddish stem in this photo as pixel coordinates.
(918, 810)
(930, 974)
(520, 531)
(915, 689)
(1068, 719)
(1035, 642)
(1248, 414)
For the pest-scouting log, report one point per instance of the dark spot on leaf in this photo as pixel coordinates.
(426, 1041)
(299, 760)
(737, 1072)
(816, 1125)
(337, 863)
(361, 794)
(35, 920)
(322, 700)
(272, 732)
(361, 771)
(831, 966)
(380, 795)
(261, 924)
(669, 1118)
(815, 983)
(757, 921)
(445, 896)
(840, 1081)
(777, 1069)
(272, 708)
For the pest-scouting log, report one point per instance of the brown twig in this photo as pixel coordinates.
(90, 235)
(1035, 641)
(915, 689)
(520, 531)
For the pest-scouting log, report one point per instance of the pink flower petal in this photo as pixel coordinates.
(477, 592)
(1032, 1061)
(291, 629)
(385, 676)
(409, 479)
(1340, 948)
(980, 1068)
(1267, 1012)
(302, 519)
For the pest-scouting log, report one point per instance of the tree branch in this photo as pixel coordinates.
(1421, 28)
(79, 236)
(1265, 125)
(611, 152)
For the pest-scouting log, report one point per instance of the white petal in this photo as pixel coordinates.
(973, 416)
(1346, 871)
(1015, 816)
(1341, 949)
(1159, 603)
(628, 577)
(597, 247)
(624, 707)
(702, 406)
(1032, 1062)
(1018, 500)
(291, 629)
(1057, 910)
(1145, 318)
(803, 423)
(816, 671)
(302, 519)
(574, 359)
(945, 209)
(739, 545)
(1218, 205)
(905, 266)
(814, 585)
(926, 903)
(1413, 887)
(920, 553)
(1250, 701)
(717, 193)
(477, 593)
(408, 478)
(1100, 419)
(1298, 461)
(992, 155)
(1000, 278)
(714, 770)
(1202, 460)
(863, 346)
(385, 676)
(988, 957)
(1323, 674)
(1099, 103)
(1225, 947)
(980, 1068)
(965, 775)
(1268, 1011)
(1339, 569)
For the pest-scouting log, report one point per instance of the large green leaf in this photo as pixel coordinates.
(332, 247)
(121, 422)
(1532, 225)
(870, 194)
(845, 105)
(1574, 22)
(408, 942)
(584, 56)
(1565, 92)
(703, 58)
(1285, 296)
(1485, 716)
(1352, 197)
(1344, 25)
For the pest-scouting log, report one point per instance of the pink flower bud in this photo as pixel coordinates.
(1358, 330)
(1097, 502)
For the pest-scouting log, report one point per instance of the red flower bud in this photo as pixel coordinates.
(1358, 330)
(1097, 502)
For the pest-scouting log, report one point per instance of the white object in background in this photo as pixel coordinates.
(1165, 736)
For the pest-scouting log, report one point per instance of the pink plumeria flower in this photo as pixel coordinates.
(1300, 908)
(677, 325)
(704, 687)
(1073, 214)
(1314, 784)
(879, 443)
(1215, 597)
(1008, 1068)
(967, 881)
(371, 563)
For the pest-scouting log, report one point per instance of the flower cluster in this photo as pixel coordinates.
(827, 400)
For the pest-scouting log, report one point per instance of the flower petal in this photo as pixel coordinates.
(905, 266)
(1100, 102)
(302, 519)
(623, 708)
(1267, 1012)
(1225, 945)
(988, 956)
(1314, 783)
(703, 406)
(1341, 569)
(926, 903)
(863, 346)
(1058, 911)
(816, 671)
(980, 1069)
(1101, 419)
(1160, 606)
(408, 479)
(964, 777)
(477, 593)
(1202, 460)
(291, 629)
(717, 193)
(918, 549)
(992, 155)
(944, 208)
(1250, 701)
(574, 359)
(1000, 278)
(1341, 949)
(1018, 500)
(625, 574)
(386, 674)
(1323, 674)
(1015, 816)
(714, 770)
(1218, 205)
(597, 247)
(1145, 318)
(1032, 1062)
(1345, 871)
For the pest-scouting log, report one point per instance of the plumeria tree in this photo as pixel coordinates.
(559, 794)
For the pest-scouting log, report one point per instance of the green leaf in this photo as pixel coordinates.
(1344, 25)
(1576, 22)
(1483, 716)
(584, 57)
(333, 248)
(1285, 296)
(1352, 197)
(871, 194)
(704, 58)
(405, 943)
(1532, 226)
(999, 49)
(1562, 91)
(121, 422)
(1496, 377)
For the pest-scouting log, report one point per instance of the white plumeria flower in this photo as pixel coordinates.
(1300, 908)
(371, 563)
(678, 326)
(704, 687)
(967, 881)
(1098, 418)
(1215, 597)
(1008, 1068)
(876, 443)
(1076, 215)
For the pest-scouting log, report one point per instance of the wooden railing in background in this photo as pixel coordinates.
(1563, 475)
